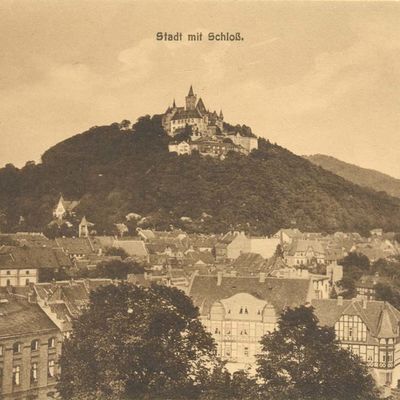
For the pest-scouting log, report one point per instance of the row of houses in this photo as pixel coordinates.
(236, 310)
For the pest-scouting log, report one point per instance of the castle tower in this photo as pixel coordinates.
(221, 116)
(191, 99)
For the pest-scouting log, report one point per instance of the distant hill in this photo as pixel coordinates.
(115, 171)
(361, 176)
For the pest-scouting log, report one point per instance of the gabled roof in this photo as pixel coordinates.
(199, 257)
(68, 205)
(280, 293)
(381, 318)
(302, 245)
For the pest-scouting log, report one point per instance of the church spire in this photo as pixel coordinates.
(173, 104)
(191, 93)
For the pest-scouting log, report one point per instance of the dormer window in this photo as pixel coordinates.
(241, 310)
(245, 310)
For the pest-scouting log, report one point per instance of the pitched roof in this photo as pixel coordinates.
(302, 245)
(132, 247)
(381, 318)
(19, 317)
(75, 245)
(185, 114)
(280, 293)
(32, 257)
(68, 205)
(249, 262)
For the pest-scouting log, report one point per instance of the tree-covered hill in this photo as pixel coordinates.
(115, 171)
(361, 176)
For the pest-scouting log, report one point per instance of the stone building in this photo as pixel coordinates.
(30, 346)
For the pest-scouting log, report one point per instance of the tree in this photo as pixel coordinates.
(302, 361)
(355, 259)
(389, 293)
(116, 251)
(136, 343)
(225, 386)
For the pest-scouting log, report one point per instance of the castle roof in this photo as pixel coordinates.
(200, 106)
(185, 114)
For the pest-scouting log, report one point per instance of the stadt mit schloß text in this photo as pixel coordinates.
(199, 37)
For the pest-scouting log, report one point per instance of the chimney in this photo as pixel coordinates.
(263, 275)
(340, 300)
(219, 278)
(364, 304)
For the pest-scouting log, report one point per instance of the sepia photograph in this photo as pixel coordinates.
(199, 200)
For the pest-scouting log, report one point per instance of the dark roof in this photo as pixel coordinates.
(280, 293)
(251, 262)
(381, 318)
(75, 245)
(185, 114)
(19, 317)
(32, 257)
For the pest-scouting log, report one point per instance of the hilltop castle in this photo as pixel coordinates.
(209, 135)
(194, 114)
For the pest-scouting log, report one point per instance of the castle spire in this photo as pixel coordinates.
(173, 104)
(221, 115)
(191, 93)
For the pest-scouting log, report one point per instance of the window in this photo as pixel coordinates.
(35, 345)
(245, 310)
(51, 369)
(246, 351)
(241, 310)
(1, 350)
(17, 348)
(8, 272)
(8, 282)
(34, 372)
(16, 375)
(27, 272)
(26, 282)
(52, 343)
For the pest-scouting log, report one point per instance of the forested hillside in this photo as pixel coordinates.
(114, 172)
(361, 176)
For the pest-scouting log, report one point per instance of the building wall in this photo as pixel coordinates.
(24, 360)
(237, 325)
(17, 277)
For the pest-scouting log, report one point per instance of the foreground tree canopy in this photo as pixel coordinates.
(134, 343)
(148, 343)
(303, 361)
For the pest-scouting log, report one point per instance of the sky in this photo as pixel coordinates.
(314, 77)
